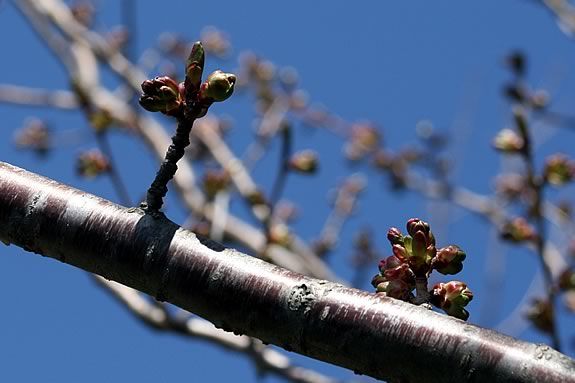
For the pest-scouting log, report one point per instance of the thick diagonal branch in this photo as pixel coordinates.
(372, 335)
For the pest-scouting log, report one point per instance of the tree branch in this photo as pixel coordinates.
(370, 334)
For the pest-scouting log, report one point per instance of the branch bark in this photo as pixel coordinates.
(372, 335)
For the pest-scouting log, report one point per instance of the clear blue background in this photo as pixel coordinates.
(389, 62)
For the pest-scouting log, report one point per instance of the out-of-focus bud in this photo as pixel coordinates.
(215, 41)
(510, 186)
(279, 234)
(161, 94)
(117, 38)
(219, 86)
(559, 170)
(448, 260)
(540, 313)
(518, 230)
(304, 161)
(83, 12)
(34, 135)
(364, 139)
(452, 297)
(100, 120)
(567, 279)
(215, 181)
(92, 163)
(540, 99)
(508, 141)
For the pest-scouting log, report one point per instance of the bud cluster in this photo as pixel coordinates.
(414, 257)
(163, 94)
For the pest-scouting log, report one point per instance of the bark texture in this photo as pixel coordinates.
(377, 336)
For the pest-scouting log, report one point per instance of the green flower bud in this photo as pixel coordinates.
(219, 86)
(559, 170)
(194, 68)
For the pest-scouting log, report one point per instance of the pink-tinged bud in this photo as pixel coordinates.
(540, 313)
(394, 236)
(304, 162)
(402, 272)
(452, 297)
(161, 94)
(389, 263)
(567, 280)
(559, 170)
(508, 141)
(518, 230)
(219, 86)
(34, 135)
(400, 252)
(397, 289)
(449, 260)
(92, 163)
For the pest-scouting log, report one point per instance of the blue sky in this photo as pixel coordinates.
(392, 63)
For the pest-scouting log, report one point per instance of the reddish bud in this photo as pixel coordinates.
(448, 260)
(161, 94)
(394, 236)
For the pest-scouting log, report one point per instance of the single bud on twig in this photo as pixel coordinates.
(508, 141)
(304, 162)
(518, 230)
(559, 170)
(92, 163)
(161, 94)
(34, 135)
(219, 86)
